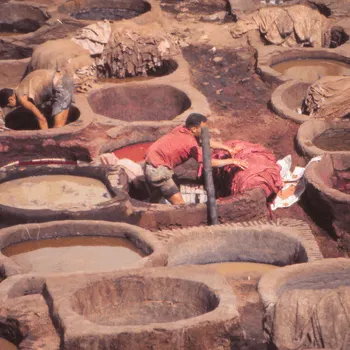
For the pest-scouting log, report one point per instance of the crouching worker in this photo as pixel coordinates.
(39, 89)
(175, 148)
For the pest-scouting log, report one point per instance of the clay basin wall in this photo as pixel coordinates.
(327, 196)
(271, 56)
(287, 99)
(336, 141)
(10, 51)
(248, 206)
(315, 293)
(116, 208)
(110, 10)
(289, 242)
(145, 103)
(157, 308)
(138, 237)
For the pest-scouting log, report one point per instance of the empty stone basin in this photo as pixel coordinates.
(138, 301)
(39, 192)
(296, 298)
(22, 119)
(287, 100)
(311, 69)
(157, 308)
(328, 184)
(72, 246)
(317, 137)
(20, 18)
(111, 9)
(265, 243)
(139, 102)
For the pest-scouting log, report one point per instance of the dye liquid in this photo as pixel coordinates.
(53, 192)
(312, 69)
(71, 254)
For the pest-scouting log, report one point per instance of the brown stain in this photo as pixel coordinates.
(78, 253)
(53, 192)
(311, 69)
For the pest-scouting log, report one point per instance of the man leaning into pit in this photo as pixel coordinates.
(39, 89)
(175, 148)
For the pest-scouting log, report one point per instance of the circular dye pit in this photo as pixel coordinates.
(111, 10)
(312, 69)
(6, 345)
(22, 119)
(138, 301)
(134, 152)
(57, 192)
(20, 18)
(333, 140)
(258, 245)
(139, 103)
(71, 254)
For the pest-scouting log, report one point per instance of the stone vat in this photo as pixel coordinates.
(328, 191)
(317, 137)
(158, 308)
(26, 238)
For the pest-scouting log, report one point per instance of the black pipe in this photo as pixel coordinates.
(208, 178)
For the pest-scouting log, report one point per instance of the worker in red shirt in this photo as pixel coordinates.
(177, 147)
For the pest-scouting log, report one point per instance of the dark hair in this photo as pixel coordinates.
(195, 119)
(4, 97)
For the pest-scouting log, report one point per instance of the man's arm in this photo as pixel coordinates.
(216, 163)
(24, 101)
(219, 145)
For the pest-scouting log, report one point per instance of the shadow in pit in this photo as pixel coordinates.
(22, 119)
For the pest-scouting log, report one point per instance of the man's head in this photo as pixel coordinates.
(7, 98)
(195, 122)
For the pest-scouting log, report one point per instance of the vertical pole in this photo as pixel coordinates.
(208, 178)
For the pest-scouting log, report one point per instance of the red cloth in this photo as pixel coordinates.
(262, 172)
(174, 149)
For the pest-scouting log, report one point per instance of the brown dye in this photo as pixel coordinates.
(312, 69)
(71, 254)
(333, 140)
(3, 34)
(241, 269)
(124, 80)
(53, 192)
(6, 345)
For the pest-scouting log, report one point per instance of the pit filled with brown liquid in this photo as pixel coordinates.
(55, 192)
(333, 140)
(6, 345)
(312, 69)
(71, 254)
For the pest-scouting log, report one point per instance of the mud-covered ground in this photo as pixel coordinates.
(239, 100)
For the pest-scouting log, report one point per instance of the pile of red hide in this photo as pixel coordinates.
(262, 172)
